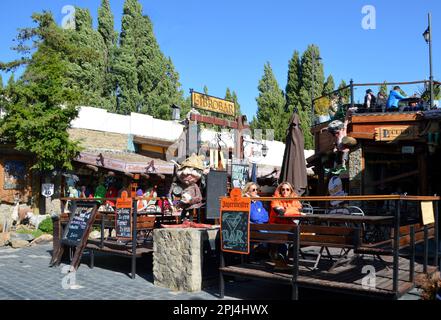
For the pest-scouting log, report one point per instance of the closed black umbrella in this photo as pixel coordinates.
(294, 164)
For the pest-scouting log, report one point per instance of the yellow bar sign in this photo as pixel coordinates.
(209, 103)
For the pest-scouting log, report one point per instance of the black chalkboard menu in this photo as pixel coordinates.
(123, 222)
(80, 222)
(235, 231)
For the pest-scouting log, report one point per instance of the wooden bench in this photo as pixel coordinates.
(325, 237)
(263, 269)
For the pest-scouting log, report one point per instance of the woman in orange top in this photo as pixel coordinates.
(286, 208)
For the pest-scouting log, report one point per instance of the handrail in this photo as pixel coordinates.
(352, 198)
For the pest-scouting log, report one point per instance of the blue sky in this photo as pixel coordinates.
(225, 43)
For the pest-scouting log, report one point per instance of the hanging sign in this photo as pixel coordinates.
(393, 133)
(427, 212)
(213, 104)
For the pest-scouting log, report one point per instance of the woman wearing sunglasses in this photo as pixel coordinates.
(285, 208)
(258, 213)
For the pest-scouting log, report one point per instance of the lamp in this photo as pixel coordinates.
(426, 35)
(176, 112)
(264, 150)
(428, 38)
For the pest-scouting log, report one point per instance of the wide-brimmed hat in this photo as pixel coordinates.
(194, 161)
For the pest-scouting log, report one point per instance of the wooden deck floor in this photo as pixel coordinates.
(347, 278)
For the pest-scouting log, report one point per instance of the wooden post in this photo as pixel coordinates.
(396, 247)
(134, 238)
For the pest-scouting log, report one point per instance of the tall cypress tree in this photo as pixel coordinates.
(107, 31)
(236, 103)
(271, 105)
(345, 94)
(311, 86)
(87, 73)
(125, 65)
(1, 82)
(293, 82)
(329, 85)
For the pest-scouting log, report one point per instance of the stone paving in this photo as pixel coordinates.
(25, 275)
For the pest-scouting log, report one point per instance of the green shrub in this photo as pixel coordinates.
(37, 233)
(46, 226)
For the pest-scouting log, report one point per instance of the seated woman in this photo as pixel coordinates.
(285, 208)
(258, 213)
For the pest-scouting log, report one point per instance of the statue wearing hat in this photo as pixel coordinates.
(185, 192)
(342, 144)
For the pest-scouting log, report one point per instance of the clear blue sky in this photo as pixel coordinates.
(225, 43)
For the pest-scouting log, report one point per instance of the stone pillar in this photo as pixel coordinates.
(355, 174)
(178, 257)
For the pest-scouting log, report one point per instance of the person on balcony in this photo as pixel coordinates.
(394, 97)
(370, 100)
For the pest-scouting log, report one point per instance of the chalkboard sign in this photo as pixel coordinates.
(239, 175)
(80, 222)
(235, 223)
(123, 221)
(216, 188)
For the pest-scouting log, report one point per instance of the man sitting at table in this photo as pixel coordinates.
(394, 97)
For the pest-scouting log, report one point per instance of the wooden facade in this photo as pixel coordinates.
(394, 154)
(17, 181)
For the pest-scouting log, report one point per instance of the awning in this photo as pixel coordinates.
(125, 162)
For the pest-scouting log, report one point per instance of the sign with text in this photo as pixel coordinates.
(239, 175)
(235, 223)
(47, 189)
(393, 133)
(123, 219)
(213, 104)
(79, 225)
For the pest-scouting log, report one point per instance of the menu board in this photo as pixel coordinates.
(123, 219)
(123, 223)
(235, 223)
(80, 223)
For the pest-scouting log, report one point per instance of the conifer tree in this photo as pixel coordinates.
(293, 82)
(236, 103)
(329, 85)
(345, 94)
(271, 105)
(107, 31)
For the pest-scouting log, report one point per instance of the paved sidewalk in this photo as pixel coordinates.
(25, 275)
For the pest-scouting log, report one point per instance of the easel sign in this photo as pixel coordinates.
(80, 222)
(427, 212)
(235, 223)
(77, 230)
(123, 218)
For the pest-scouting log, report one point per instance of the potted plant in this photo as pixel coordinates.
(321, 108)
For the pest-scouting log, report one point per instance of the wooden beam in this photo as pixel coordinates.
(385, 117)
(217, 121)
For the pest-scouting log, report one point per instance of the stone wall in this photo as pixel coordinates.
(178, 257)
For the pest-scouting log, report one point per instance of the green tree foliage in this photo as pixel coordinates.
(294, 81)
(1, 82)
(125, 65)
(236, 103)
(109, 36)
(329, 85)
(345, 94)
(87, 74)
(39, 105)
(271, 105)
